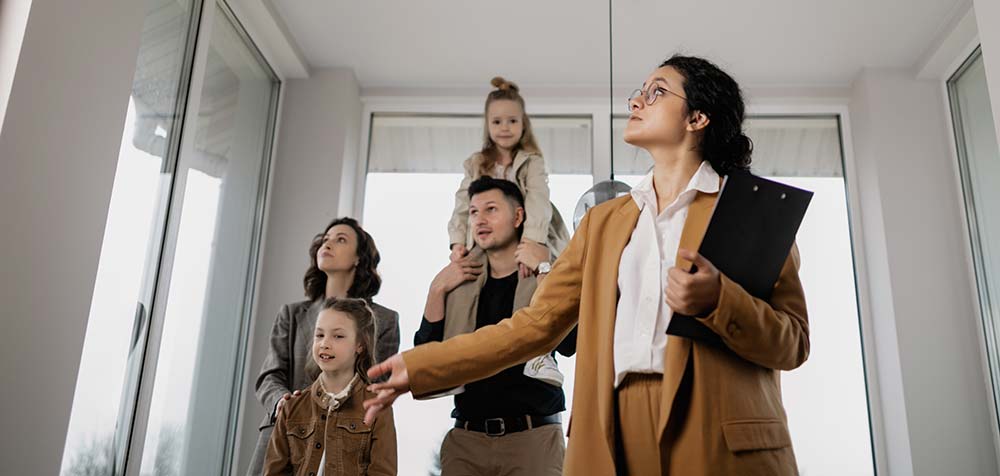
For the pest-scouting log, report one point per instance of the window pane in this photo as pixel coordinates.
(979, 159)
(422, 156)
(825, 399)
(189, 426)
(406, 276)
(105, 387)
(432, 144)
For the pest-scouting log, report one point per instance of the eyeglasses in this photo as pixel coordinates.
(652, 92)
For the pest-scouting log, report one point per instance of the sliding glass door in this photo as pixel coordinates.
(157, 390)
(979, 163)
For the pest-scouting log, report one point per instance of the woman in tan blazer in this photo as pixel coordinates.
(646, 403)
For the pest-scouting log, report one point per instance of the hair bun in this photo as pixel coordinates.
(502, 84)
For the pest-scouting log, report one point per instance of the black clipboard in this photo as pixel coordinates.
(749, 236)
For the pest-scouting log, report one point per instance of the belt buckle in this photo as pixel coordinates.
(503, 427)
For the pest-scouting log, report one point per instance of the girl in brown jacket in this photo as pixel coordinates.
(321, 432)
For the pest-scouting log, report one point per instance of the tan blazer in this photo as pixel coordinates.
(542, 224)
(721, 412)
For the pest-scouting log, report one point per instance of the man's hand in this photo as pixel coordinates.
(529, 255)
(693, 294)
(388, 391)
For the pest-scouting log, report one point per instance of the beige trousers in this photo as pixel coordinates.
(637, 413)
(535, 452)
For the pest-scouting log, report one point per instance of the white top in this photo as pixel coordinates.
(643, 314)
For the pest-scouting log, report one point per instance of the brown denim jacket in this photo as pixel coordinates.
(305, 428)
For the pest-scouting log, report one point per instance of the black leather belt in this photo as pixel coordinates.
(502, 426)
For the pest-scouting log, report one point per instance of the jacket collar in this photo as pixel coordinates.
(520, 158)
(324, 401)
(704, 180)
(462, 303)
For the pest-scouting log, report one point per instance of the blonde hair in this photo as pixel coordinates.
(505, 90)
(364, 321)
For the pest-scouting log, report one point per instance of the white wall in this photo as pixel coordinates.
(934, 399)
(893, 445)
(13, 18)
(319, 133)
(58, 153)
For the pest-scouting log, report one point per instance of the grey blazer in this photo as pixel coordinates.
(290, 345)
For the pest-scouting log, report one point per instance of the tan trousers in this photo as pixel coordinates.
(538, 451)
(637, 412)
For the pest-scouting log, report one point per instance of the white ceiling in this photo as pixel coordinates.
(448, 43)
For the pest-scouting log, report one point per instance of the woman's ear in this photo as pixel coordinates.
(697, 121)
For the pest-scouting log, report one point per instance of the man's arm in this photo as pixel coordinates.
(428, 332)
(538, 328)
(568, 345)
(449, 278)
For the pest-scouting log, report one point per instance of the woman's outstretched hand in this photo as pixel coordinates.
(386, 392)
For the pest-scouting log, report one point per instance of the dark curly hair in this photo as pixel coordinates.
(716, 94)
(367, 282)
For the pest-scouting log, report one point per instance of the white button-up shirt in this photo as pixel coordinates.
(643, 314)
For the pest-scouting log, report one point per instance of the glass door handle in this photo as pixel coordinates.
(138, 323)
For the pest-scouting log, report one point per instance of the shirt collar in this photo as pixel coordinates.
(333, 401)
(704, 180)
